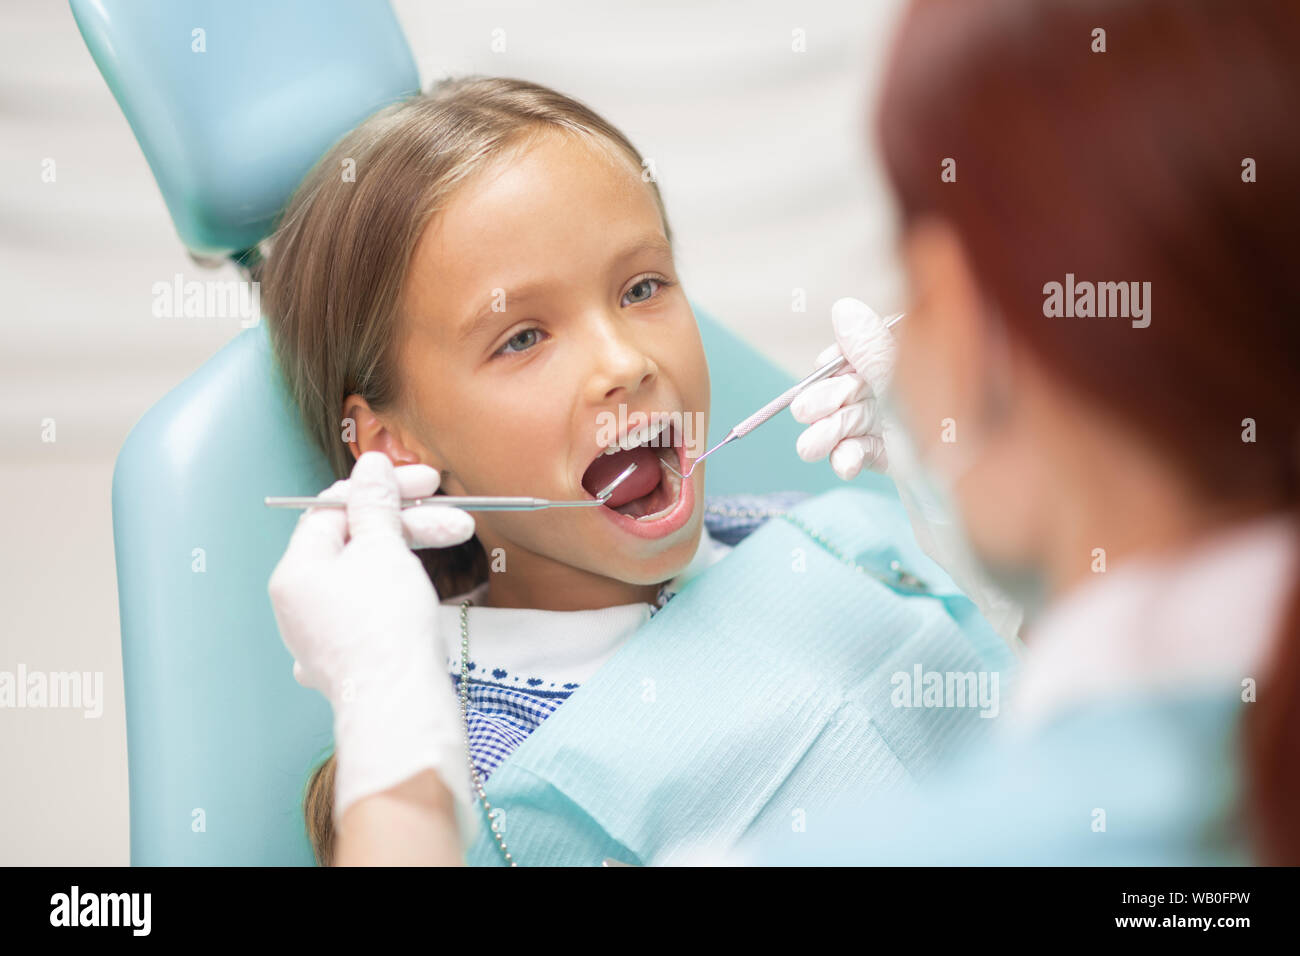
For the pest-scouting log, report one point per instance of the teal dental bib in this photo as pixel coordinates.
(826, 654)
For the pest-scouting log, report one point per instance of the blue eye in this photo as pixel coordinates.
(521, 341)
(645, 282)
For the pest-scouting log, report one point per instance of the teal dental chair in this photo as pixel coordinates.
(220, 736)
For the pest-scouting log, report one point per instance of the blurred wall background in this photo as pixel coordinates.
(763, 158)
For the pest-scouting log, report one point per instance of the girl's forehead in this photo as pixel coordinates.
(558, 198)
(550, 179)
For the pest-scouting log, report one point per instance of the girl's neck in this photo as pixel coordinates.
(550, 586)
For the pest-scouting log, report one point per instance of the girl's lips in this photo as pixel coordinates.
(663, 526)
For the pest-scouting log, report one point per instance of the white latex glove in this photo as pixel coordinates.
(844, 422)
(841, 411)
(358, 612)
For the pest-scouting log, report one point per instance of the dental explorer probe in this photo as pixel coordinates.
(467, 502)
(782, 401)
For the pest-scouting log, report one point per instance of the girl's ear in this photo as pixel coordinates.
(365, 431)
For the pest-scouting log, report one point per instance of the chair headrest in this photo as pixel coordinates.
(233, 101)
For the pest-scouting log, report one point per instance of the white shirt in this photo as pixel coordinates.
(558, 648)
(1207, 618)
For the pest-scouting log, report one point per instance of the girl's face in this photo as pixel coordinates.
(545, 321)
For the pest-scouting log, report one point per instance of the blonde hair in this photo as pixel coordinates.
(332, 277)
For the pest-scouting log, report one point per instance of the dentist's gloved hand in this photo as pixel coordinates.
(358, 612)
(841, 411)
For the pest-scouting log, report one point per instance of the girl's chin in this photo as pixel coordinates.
(654, 560)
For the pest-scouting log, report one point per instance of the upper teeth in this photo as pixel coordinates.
(638, 436)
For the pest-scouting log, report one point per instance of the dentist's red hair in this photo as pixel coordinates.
(1130, 164)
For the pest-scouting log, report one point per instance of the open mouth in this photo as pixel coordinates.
(653, 490)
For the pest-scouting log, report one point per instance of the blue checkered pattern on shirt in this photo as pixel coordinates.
(501, 717)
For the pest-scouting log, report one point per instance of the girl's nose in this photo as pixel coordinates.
(619, 364)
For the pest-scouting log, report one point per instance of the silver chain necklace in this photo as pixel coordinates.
(464, 716)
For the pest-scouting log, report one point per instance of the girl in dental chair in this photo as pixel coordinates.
(468, 284)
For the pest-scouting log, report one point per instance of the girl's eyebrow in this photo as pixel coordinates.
(484, 317)
(654, 242)
(476, 323)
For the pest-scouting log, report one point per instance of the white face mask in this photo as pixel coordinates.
(927, 485)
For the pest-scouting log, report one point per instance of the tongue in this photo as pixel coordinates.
(638, 484)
